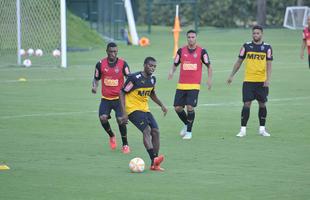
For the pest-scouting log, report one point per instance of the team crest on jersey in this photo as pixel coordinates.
(106, 69)
(195, 55)
(116, 70)
(262, 47)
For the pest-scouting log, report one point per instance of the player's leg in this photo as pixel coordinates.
(191, 103)
(261, 96)
(248, 97)
(122, 127)
(179, 103)
(309, 60)
(104, 113)
(140, 120)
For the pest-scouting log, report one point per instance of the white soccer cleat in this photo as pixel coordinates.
(183, 131)
(241, 134)
(264, 133)
(187, 136)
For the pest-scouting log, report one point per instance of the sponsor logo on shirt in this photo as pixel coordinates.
(189, 66)
(110, 82)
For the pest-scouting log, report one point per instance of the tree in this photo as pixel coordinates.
(261, 12)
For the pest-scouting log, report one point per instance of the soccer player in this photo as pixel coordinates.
(191, 57)
(258, 56)
(306, 41)
(111, 71)
(134, 100)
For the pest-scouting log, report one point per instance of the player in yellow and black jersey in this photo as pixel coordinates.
(134, 99)
(257, 56)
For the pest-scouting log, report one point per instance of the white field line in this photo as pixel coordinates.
(199, 105)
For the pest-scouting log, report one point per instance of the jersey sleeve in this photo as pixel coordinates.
(126, 70)
(177, 59)
(269, 54)
(129, 84)
(242, 52)
(97, 74)
(205, 57)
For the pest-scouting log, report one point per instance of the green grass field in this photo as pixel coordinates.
(51, 137)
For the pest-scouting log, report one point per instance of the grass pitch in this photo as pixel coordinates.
(52, 140)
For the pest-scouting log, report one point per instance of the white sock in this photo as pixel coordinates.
(243, 129)
(262, 128)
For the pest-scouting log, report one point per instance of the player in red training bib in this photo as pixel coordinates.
(191, 57)
(111, 71)
(306, 41)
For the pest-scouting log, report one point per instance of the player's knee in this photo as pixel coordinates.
(178, 108)
(247, 104)
(155, 131)
(189, 108)
(103, 118)
(262, 105)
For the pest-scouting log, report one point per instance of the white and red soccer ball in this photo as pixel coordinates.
(30, 52)
(27, 63)
(136, 165)
(56, 53)
(38, 52)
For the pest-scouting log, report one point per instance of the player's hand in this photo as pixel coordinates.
(229, 80)
(170, 76)
(266, 83)
(94, 90)
(124, 119)
(209, 84)
(164, 109)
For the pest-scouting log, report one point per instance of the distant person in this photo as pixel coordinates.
(306, 41)
(111, 71)
(191, 57)
(134, 98)
(258, 56)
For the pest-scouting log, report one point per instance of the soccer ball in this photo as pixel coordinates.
(136, 165)
(38, 52)
(30, 52)
(27, 63)
(56, 53)
(22, 52)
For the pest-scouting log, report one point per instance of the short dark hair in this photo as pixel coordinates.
(111, 44)
(148, 59)
(191, 31)
(257, 27)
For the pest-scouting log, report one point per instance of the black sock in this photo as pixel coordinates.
(182, 115)
(107, 128)
(262, 113)
(245, 114)
(151, 154)
(190, 120)
(123, 131)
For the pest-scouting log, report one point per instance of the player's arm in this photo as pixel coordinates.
(126, 69)
(158, 102)
(205, 60)
(303, 46)
(97, 77)
(177, 61)
(128, 86)
(268, 73)
(237, 64)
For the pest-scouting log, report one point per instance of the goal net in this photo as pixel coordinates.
(32, 29)
(296, 17)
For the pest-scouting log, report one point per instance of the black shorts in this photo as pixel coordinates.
(186, 97)
(254, 90)
(142, 119)
(107, 105)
